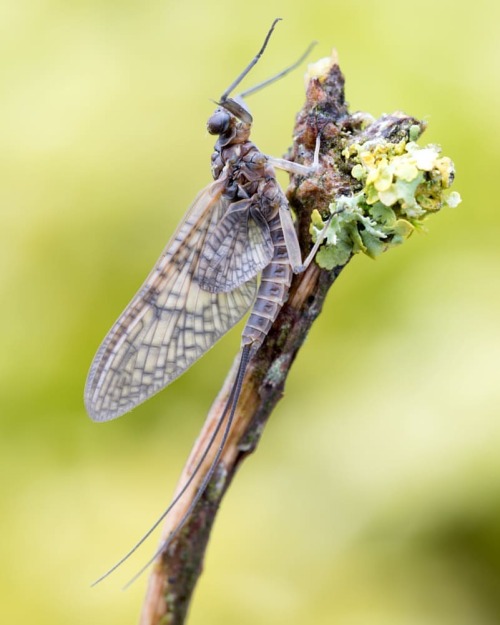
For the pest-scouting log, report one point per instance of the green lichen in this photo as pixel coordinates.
(402, 185)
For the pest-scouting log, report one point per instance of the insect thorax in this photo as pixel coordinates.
(249, 175)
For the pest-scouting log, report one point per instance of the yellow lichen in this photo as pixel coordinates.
(402, 184)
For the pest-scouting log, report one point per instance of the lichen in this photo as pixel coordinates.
(402, 184)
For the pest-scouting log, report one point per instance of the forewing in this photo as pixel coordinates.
(237, 249)
(171, 321)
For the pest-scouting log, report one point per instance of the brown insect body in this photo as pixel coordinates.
(205, 281)
(253, 182)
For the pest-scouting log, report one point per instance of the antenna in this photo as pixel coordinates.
(283, 72)
(236, 82)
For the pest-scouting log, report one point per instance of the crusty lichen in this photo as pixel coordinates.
(402, 184)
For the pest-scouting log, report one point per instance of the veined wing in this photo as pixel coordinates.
(170, 323)
(236, 250)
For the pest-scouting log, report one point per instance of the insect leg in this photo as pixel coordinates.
(291, 168)
(297, 168)
(292, 242)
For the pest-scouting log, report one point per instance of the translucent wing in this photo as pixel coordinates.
(171, 321)
(237, 250)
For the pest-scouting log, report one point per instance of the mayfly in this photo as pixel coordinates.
(240, 225)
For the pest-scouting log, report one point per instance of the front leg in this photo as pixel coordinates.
(289, 232)
(296, 168)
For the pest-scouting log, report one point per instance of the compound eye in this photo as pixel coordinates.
(218, 122)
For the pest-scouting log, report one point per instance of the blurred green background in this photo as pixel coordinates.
(374, 497)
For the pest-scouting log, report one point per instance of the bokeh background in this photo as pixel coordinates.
(374, 497)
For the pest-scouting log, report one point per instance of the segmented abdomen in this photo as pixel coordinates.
(273, 290)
